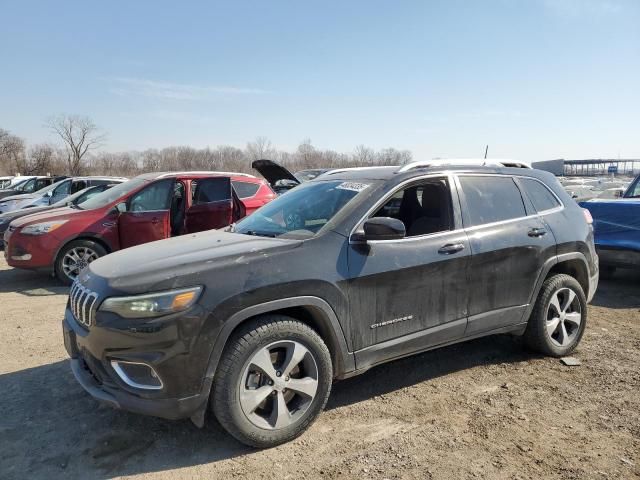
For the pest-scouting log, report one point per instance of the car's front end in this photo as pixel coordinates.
(33, 241)
(140, 334)
(134, 352)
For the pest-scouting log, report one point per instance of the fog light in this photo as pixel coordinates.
(137, 375)
(26, 256)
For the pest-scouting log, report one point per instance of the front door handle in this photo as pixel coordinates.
(154, 220)
(537, 232)
(450, 248)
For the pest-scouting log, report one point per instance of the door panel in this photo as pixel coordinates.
(402, 287)
(136, 228)
(208, 216)
(212, 205)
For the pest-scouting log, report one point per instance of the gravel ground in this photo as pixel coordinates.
(483, 409)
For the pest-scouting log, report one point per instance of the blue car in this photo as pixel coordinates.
(617, 229)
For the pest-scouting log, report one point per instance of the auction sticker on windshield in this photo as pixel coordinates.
(353, 186)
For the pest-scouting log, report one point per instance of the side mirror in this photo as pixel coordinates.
(383, 228)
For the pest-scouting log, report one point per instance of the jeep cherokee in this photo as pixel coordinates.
(340, 274)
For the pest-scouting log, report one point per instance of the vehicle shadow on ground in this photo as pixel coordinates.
(620, 291)
(32, 284)
(51, 427)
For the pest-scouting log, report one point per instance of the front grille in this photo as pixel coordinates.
(83, 304)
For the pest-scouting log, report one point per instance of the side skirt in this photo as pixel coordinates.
(422, 342)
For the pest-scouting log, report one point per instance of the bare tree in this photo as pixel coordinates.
(260, 148)
(40, 160)
(12, 153)
(79, 134)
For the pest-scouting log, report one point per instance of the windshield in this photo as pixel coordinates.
(19, 185)
(634, 189)
(301, 212)
(109, 196)
(50, 187)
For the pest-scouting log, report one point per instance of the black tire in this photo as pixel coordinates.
(87, 245)
(231, 377)
(606, 272)
(537, 336)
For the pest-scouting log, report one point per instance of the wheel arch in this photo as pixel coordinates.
(573, 264)
(313, 311)
(92, 238)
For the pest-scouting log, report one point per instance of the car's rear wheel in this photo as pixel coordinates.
(559, 317)
(273, 380)
(74, 257)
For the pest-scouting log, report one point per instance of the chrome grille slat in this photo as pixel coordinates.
(82, 302)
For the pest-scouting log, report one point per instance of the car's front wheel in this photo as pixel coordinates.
(559, 317)
(74, 257)
(273, 380)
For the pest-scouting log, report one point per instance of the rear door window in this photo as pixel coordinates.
(211, 190)
(539, 195)
(245, 189)
(490, 199)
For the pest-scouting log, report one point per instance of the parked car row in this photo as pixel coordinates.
(149, 207)
(325, 281)
(28, 184)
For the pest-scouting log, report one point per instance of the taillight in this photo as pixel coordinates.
(587, 216)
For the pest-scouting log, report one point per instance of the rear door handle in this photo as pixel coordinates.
(537, 232)
(450, 248)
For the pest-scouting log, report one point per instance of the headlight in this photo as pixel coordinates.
(152, 304)
(42, 228)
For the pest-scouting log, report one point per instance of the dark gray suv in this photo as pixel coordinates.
(342, 273)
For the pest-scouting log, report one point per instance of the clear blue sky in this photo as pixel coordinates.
(534, 79)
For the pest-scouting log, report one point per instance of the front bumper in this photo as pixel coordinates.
(37, 251)
(90, 366)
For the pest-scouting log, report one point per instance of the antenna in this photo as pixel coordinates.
(486, 150)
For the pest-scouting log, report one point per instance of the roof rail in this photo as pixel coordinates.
(351, 169)
(197, 172)
(481, 162)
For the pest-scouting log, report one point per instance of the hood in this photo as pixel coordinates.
(23, 196)
(23, 213)
(138, 269)
(273, 172)
(46, 216)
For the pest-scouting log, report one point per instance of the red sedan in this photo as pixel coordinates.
(149, 207)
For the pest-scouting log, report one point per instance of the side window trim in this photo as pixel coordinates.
(455, 207)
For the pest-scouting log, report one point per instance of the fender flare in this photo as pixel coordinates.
(323, 314)
(546, 268)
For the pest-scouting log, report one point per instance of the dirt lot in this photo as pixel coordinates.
(484, 409)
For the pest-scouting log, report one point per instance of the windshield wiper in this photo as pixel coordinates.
(260, 234)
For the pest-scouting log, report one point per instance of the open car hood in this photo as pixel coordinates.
(273, 172)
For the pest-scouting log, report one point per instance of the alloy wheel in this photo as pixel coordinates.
(278, 385)
(76, 259)
(564, 316)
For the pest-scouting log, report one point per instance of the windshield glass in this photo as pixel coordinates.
(50, 187)
(109, 196)
(17, 184)
(301, 212)
(20, 186)
(634, 189)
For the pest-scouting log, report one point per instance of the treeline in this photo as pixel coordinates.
(80, 155)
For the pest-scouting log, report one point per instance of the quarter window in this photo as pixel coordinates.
(540, 195)
(245, 189)
(490, 199)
